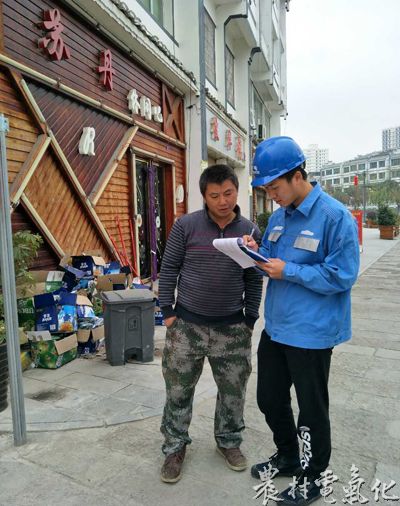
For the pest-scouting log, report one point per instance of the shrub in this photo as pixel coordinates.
(262, 221)
(386, 216)
(372, 216)
(25, 246)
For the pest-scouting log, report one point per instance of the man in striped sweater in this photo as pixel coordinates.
(212, 315)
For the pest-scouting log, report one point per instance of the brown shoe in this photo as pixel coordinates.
(234, 458)
(171, 470)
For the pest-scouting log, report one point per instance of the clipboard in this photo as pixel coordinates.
(251, 253)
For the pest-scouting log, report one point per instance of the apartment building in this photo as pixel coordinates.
(391, 138)
(372, 168)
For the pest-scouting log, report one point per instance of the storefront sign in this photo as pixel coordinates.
(54, 46)
(225, 139)
(214, 128)
(228, 139)
(53, 43)
(105, 69)
(86, 143)
(144, 107)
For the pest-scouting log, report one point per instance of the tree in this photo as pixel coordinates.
(386, 193)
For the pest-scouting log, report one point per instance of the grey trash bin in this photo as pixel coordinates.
(129, 325)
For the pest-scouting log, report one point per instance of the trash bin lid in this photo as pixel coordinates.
(124, 296)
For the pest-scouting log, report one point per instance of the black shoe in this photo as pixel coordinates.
(305, 492)
(287, 466)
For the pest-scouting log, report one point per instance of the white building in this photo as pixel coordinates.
(375, 167)
(316, 158)
(391, 138)
(245, 84)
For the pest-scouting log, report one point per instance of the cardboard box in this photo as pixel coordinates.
(56, 312)
(50, 353)
(112, 282)
(84, 335)
(23, 338)
(25, 306)
(26, 359)
(53, 280)
(91, 265)
(112, 268)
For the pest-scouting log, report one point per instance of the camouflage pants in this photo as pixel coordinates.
(228, 349)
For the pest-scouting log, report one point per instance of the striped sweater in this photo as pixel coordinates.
(211, 287)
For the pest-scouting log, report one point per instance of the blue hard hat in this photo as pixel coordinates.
(274, 157)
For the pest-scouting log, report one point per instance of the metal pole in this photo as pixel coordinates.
(364, 198)
(10, 296)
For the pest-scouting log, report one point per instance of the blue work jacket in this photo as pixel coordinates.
(310, 307)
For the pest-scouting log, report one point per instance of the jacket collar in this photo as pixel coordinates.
(308, 203)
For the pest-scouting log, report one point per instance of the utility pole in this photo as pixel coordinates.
(10, 296)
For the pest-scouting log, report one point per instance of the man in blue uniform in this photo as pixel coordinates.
(312, 246)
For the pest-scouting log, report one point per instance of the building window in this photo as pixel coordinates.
(328, 182)
(162, 11)
(373, 165)
(361, 166)
(230, 76)
(328, 172)
(381, 175)
(381, 163)
(209, 29)
(395, 161)
(373, 177)
(336, 181)
(353, 168)
(346, 180)
(346, 169)
(336, 170)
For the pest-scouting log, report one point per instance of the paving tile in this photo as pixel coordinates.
(146, 396)
(88, 383)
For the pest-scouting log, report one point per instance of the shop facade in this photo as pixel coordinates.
(96, 150)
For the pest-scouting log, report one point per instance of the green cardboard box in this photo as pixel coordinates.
(49, 352)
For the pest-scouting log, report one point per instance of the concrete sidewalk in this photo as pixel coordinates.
(91, 393)
(120, 464)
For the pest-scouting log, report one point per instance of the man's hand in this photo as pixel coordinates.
(169, 321)
(250, 242)
(274, 268)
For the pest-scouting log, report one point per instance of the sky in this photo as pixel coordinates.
(343, 74)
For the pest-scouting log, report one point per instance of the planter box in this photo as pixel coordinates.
(386, 231)
(372, 224)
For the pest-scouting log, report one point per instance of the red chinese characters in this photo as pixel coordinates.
(214, 128)
(53, 42)
(239, 148)
(228, 139)
(106, 70)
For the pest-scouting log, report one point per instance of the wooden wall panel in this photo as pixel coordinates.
(51, 195)
(149, 143)
(116, 200)
(67, 118)
(22, 32)
(46, 259)
(23, 132)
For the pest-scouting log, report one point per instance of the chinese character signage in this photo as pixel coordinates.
(214, 128)
(105, 69)
(225, 139)
(53, 43)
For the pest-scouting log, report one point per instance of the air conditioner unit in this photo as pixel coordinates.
(261, 132)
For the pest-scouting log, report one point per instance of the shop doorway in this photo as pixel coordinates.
(150, 216)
